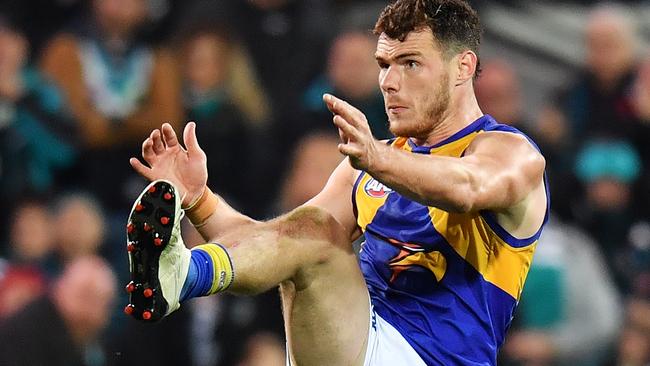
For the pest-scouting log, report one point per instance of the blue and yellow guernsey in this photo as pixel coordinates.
(448, 282)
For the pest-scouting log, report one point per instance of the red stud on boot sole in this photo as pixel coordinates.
(168, 196)
(130, 247)
(147, 293)
(146, 315)
(139, 208)
(129, 309)
(129, 228)
(157, 242)
(164, 220)
(130, 287)
(146, 227)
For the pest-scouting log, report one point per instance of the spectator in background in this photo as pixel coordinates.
(31, 240)
(118, 89)
(18, 287)
(498, 92)
(218, 99)
(40, 19)
(287, 40)
(351, 74)
(561, 319)
(608, 169)
(601, 102)
(79, 227)
(264, 349)
(315, 156)
(634, 348)
(36, 136)
(62, 328)
(24, 273)
(634, 343)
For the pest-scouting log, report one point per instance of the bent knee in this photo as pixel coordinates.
(315, 223)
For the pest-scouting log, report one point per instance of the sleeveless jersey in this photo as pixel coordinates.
(448, 282)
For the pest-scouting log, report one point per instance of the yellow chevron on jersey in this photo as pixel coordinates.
(472, 238)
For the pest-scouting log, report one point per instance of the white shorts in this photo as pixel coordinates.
(386, 346)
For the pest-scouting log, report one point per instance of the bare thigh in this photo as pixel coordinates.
(326, 313)
(324, 294)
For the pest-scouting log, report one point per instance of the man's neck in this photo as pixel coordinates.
(460, 114)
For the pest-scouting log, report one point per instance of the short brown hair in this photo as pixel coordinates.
(454, 24)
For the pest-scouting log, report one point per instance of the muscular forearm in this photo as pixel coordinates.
(216, 218)
(439, 181)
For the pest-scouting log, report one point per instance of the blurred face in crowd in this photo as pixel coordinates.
(84, 295)
(119, 18)
(314, 159)
(13, 52)
(264, 350)
(206, 62)
(80, 227)
(497, 91)
(608, 194)
(610, 42)
(31, 233)
(351, 67)
(415, 81)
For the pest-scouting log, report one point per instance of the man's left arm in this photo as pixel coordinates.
(497, 171)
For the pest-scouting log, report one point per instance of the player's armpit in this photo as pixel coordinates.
(336, 198)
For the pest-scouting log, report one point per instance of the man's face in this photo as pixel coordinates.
(414, 80)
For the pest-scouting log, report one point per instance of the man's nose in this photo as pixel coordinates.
(389, 79)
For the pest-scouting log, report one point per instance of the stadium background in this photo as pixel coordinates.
(82, 83)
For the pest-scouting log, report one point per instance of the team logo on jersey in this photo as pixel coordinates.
(376, 189)
(411, 256)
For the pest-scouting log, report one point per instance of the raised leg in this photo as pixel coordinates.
(324, 294)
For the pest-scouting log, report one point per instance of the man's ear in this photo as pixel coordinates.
(467, 62)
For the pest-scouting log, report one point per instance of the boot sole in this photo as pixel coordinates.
(148, 232)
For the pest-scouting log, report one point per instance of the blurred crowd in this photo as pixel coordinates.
(83, 82)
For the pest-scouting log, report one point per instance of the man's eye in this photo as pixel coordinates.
(412, 64)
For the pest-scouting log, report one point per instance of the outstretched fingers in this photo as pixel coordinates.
(148, 152)
(140, 168)
(346, 130)
(344, 109)
(190, 140)
(158, 144)
(169, 135)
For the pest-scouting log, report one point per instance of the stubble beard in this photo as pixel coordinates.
(436, 108)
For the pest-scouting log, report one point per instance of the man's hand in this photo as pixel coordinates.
(167, 159)
(357, 141)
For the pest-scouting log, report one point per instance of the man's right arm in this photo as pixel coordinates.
(212, 216)
(334, 199)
